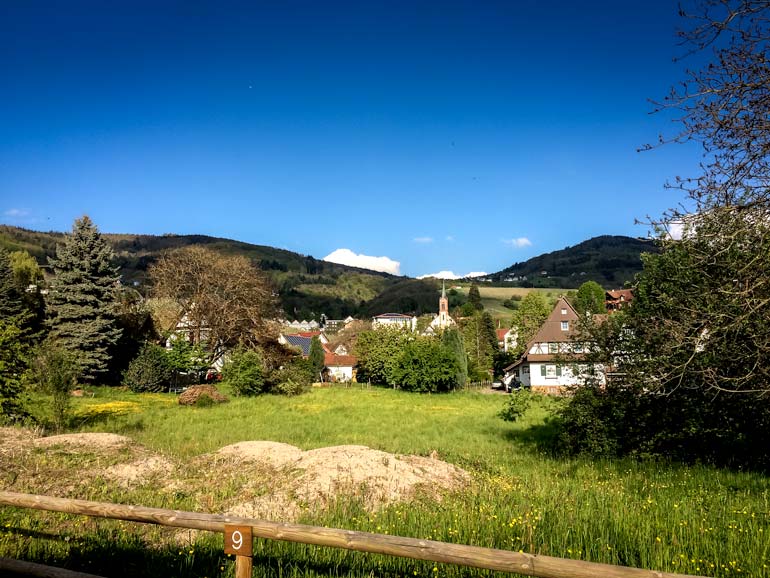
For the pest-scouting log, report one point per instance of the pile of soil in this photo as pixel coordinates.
(194, 393)
(316, 478)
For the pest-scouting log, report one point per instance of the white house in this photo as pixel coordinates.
(339, 367)
(507, 339)
(552, 360)
(394, 320)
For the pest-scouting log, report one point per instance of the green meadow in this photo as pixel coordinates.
(661, 516)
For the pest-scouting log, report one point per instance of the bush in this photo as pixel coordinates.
(244, 372)
(54, 371)
(426, 366)
(517, 405)
(150, 371)
(293, 378)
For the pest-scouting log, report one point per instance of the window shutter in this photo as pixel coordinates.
(558, 371)
(542, 370)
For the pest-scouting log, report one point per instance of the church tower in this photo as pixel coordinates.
(443, 302)
(442, 320)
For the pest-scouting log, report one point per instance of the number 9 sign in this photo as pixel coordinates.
(238, 540)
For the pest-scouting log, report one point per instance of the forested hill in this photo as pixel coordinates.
(308, 286)
(608, 260)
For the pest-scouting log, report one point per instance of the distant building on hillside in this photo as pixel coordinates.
(394, 320)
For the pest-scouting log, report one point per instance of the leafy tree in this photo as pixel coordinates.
(691, 355)
(82, 299)
(26, 271)
(316, 357)
(501, 360)
(452, 340)
(150, 371)
(589, 298)
(378, 352)
(29, 281)
(426, 366)
(54, 371)
(13, 357)
(474, 297)
(224, 300)
(244, 372)
(480, 340)
(530, 316)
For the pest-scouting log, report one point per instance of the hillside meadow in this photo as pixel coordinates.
(685, 519)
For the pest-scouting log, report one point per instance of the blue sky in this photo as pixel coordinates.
(461, 136)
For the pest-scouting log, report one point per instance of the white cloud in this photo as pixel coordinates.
(518, 242)
(451, 275)
(16, 213)
(423, 239)
(348, 257)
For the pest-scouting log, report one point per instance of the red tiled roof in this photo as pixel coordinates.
(309, 333)
(501, 334)
(331, 359)
(627, 294)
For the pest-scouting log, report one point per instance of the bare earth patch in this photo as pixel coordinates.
(259, 479)
(315, 478)
(99, 441)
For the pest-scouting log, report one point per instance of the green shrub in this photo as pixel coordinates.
(54, 371)
(426, 366)
(516, 405)
(244, 372)
(204, 401)
(293, 378)
(150, 371)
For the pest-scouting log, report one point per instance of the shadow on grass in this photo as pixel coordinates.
(540, 437)
(124, 556)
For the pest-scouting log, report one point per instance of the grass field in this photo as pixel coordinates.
(694, 520)
(492, 298)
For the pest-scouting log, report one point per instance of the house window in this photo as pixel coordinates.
(565, 325)
(577, 347)
(550, 371)
(563, 311)
(553, 348)
(525, 369)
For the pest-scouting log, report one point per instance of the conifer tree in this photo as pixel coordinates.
(11, 305)
(82, 298)
(316, 356)
(453, 341)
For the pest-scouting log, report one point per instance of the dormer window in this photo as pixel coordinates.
(565, 325)
(563, 311)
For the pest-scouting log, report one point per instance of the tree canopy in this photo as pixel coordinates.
(222, 300)
(82, 298)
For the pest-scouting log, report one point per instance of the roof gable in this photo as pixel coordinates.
(551, 331)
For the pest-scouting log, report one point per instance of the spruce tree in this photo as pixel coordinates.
(453, 341)
(317, 357)
(11, 305)
(82, 298)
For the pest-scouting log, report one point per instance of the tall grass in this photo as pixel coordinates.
(695, 520)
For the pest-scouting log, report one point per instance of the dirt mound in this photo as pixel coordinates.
(274, 454)
(100, 441)
(139, 471)
(317, 477)
(194, 393)
(16, 439)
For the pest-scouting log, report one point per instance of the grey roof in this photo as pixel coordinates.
(302, 342)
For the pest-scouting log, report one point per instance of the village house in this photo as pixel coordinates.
(506, 339)
(552, 360)
(617, 299)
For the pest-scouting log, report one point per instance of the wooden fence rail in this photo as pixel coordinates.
(472, 556)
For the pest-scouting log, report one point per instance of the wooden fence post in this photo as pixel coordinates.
(240, 543)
